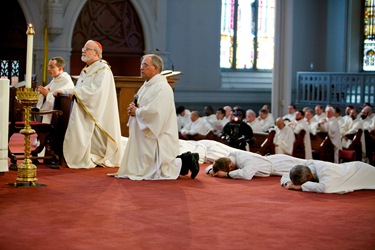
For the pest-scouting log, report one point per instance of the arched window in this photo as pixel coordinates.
(369, 36)
(247, 35)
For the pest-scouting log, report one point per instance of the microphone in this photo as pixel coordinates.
(136, 100)
(169, 59)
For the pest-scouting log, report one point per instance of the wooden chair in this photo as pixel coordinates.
(316, 143)
(347, 154)
(370, 146)
(299, 145)
(46, 133)
(268, 147)
(258, 140)
(56, 138)
(327, 150)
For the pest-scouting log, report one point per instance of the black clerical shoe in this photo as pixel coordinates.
(186, 162)
(194, 167)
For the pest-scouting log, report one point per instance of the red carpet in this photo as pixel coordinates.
(85, 209)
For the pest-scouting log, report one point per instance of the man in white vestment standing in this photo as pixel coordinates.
(93, 136)
(153, 143)
(326, 177)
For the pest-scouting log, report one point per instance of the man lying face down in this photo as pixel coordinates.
(326, 177)
(245, 165)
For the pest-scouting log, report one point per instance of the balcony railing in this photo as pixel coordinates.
(336, 89)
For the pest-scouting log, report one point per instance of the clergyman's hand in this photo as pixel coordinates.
(290, 186)
(131, 109)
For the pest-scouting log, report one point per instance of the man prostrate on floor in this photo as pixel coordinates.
(325, 177)
(245, 165)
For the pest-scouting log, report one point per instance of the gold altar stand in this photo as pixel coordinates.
(127, 87)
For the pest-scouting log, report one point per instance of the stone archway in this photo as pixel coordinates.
(116, 25)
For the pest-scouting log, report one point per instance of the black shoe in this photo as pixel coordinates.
(194, 167)
(186, 162)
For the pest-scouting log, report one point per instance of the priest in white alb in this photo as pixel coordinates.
(60, 80)
(152, 148)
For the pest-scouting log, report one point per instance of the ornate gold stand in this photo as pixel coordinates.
(27, 97)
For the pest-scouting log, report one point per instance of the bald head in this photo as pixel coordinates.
(280, 123)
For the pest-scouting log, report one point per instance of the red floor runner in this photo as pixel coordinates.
(85, 209)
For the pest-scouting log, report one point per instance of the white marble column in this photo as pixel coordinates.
(282, 72)
(4, 118)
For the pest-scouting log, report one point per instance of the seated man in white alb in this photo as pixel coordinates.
(253, 122)
(284, 138)
(266, 120)
(245, 165)
(346, 119)
(325, 177)
(352, 127)
(292, 112)
(60, 80)
(298, 125)
(183, 117)
(311, 121)
(368, 123)
(338, 116)
(319, 114)
(196, 126)
(209, 116)
(331, 126)
(228, 111)
(221, 121)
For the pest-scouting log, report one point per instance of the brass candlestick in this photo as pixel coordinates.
(27, 98)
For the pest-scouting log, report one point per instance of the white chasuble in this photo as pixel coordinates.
(93, 136)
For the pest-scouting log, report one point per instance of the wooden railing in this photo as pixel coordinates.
(336, 89)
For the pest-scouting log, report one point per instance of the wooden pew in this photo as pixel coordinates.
(322, 147)
(355, 146)
(370, 146)
(259, 139)
(268, 147)
(299, 145)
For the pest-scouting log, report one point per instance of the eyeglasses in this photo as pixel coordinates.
(85, 49)
(145, 65)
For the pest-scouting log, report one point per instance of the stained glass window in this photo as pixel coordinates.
(369, 36)
(9, 68)
(247, 35)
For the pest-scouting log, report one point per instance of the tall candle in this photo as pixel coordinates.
(45, 57)
(4, 116)
(29, 56)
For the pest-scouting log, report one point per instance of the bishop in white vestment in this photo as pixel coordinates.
(93, 136)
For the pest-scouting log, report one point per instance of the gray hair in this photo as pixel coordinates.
(156, 60)
(97, 49)
(299, 174)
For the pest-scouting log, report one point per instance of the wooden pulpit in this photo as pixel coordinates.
(127, 87)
